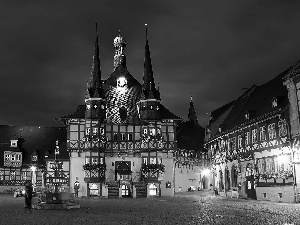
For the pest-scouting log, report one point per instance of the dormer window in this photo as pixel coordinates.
(13, 143)
(247, 116)
(274, 102)
(34, 158)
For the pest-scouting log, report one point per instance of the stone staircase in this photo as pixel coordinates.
(113, 190)
(141, 189)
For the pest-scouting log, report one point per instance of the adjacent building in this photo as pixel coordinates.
(249, 141)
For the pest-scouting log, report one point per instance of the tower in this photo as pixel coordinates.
(119, 46)
(149, 105)
(192, 116)
(94, 99)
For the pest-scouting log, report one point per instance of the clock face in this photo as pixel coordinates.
(121, 82)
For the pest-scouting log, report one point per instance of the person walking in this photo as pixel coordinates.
(28, 195)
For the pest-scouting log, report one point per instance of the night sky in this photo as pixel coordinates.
(212, 49)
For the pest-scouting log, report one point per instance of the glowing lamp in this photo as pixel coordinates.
(205, 172)
(33, 168)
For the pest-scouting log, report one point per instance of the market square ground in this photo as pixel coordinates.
(184, 208)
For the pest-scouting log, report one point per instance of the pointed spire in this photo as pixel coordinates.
(148, 84)
(94, 85)
(192, 116)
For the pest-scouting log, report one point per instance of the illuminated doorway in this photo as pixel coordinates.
(125, 190)
(152, 190)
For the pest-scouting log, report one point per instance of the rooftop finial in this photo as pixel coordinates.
(146, 31)
(191, 97)
(96, 27)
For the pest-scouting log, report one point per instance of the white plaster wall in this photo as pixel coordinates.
(76, 163)
(168, 176)
(185, 177)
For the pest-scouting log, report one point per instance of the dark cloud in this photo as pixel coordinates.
(212, 49)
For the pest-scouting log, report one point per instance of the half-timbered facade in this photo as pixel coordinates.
(26, 153)
(249, 143)
(121, 142)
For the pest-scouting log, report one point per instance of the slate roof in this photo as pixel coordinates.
(35, 138)
(257, 101)
(190, 136)
(80, 113)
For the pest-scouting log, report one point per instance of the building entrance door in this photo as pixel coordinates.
(250, 187)
(125, 190)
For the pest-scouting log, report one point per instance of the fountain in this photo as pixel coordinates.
(55, 197)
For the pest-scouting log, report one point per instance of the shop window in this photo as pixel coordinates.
(152, 190)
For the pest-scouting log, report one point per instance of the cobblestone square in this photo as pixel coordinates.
(185, 208)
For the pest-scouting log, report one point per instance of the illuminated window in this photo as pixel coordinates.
(34, 158)
(254, 136)
(94, 160)
(87, 160)
(23, 176)
(123, 137)
(262, 134)
(144, 131)
(145, 161)
(247, 138)
(18, 157)
(13, 157)
(152, 160)
(130, 137)
(88, 130)
(240, 139)
(152, 131)
(282, 127)
(271, 131)
(7, 157)
(13, 143)
(95, 130)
